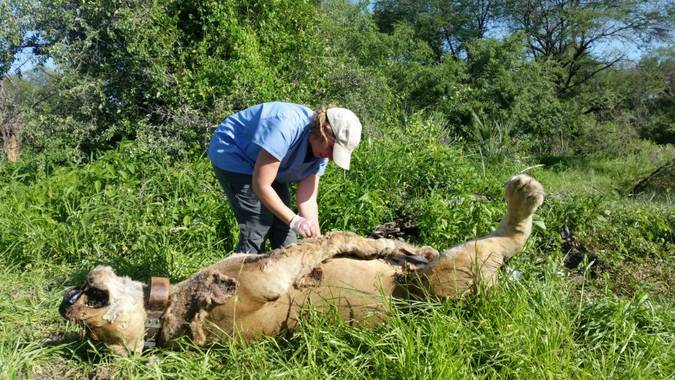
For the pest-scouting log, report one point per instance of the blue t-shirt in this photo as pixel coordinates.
(282, 129)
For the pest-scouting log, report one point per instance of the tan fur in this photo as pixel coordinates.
(249, 296)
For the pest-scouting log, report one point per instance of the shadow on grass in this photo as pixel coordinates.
(137, 267)
(75, 346)
(562, 163)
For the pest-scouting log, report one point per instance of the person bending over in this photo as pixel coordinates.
(258, 151)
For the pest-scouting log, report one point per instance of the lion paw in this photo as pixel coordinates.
(427, 252)
(524, 192)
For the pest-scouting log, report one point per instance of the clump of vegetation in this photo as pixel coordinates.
(103, 162)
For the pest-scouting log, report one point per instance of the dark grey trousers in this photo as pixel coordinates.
(256, 222)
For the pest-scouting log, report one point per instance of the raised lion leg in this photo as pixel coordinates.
(476, 263)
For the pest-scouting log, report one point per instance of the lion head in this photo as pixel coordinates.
(111, 309)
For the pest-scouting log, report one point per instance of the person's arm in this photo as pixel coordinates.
(306, 197)
(264, 172)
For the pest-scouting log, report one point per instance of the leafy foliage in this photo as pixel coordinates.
(126, 68)
(444, 25)
(117, 210)
(164, 73)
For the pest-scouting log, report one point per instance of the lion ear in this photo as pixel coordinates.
(215, 287)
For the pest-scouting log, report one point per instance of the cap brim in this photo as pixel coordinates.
(341, 156)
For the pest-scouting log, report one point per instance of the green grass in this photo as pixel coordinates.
(149, 216)
(606, 175)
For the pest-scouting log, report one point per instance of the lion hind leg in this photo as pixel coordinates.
(463, 270)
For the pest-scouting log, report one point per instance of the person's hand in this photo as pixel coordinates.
(305, 227)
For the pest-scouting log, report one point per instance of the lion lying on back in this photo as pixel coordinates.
(248, 295)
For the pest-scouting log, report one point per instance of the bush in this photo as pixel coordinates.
(130, 205)
(136, 210)
(127, 67)
(411, 172)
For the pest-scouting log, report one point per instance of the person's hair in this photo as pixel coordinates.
(320, 125)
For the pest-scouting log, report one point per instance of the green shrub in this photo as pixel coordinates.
(143, 210)
(130, 68)
(390, 174)
(143, 214)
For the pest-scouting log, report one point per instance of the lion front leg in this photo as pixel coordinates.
(279, 270)
(350, 243)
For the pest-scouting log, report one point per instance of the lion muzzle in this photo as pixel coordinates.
(69, 299)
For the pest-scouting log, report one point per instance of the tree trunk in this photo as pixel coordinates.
(12, 149)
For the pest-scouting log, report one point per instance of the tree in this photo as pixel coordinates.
(130, 67)
(649, 96)
(11, 122)
(576, 33)
(26, 26)
(10, 35)
(447, 26)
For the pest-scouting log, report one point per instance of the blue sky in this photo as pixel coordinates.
(25, 62)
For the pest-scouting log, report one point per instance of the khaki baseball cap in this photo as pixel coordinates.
(347, 130)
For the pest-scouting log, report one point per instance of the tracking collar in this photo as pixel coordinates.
(156, 302)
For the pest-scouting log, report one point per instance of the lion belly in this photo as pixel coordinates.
(354, 290)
